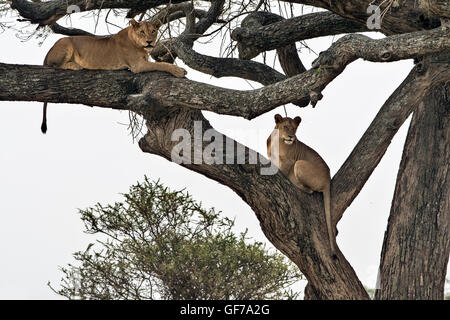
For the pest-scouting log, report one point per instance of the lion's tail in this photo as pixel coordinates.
(44, 119)
(44, 111)
(327, 205)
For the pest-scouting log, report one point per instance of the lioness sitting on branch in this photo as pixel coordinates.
(304, 167)
(128, 49)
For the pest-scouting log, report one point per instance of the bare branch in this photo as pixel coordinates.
(211, 17)
(187, 10)
(162, 51)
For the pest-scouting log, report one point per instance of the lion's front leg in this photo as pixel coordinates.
(146, 66)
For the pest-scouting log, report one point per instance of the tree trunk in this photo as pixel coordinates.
(417, 241)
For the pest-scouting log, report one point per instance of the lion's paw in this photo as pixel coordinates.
(179, 72)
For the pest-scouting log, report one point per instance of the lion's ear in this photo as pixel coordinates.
(278, 118)
(297, 120)
(157, 24)
(134, 23)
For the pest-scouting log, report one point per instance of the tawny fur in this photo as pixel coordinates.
(128, 49)
(304, 167)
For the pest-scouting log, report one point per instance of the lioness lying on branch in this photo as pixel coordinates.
(128, 49)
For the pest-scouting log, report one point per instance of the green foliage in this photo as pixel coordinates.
(370, 292)
(161, 244)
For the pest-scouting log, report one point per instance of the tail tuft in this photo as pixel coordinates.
(44, 119)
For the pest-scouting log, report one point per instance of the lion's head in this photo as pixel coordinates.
(287, 127)
(144, 34)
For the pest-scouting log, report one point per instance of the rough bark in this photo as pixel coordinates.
(417, 241)
(48, 12)
(277, 33)
(226, 67)
(407, 17)
(438, 8)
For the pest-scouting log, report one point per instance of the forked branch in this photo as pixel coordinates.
(366, 155)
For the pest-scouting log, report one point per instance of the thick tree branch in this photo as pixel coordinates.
(49, 12)
(276, 33)
(109, 89)
(226, 67)
(407, 17)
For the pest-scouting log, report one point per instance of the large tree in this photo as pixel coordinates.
(417, 242)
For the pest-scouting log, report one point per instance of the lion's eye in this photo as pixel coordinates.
(153, 31)
(143, 32)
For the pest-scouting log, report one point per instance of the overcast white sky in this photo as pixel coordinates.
(88, 156)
